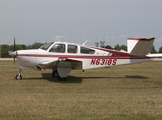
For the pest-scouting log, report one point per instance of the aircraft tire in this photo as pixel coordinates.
(55, 73)
(18, 77)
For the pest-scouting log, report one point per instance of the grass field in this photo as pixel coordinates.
(121, 92)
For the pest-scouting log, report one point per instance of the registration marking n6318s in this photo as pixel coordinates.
(103, 62)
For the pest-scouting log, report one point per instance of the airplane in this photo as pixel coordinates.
(62, 57)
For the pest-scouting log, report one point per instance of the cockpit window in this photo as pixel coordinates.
(46, 46)
(72, 49)
(85, 50)
(58, 48)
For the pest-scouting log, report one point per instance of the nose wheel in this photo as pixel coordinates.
(18, 76)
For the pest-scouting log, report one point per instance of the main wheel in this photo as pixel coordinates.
(55, 73)
(18, 77)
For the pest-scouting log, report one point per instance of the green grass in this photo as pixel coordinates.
(121, 92)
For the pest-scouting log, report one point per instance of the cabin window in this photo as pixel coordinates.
(85, 50)
(58, 48)
(72, 49)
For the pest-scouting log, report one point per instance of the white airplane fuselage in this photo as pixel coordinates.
(100, 58)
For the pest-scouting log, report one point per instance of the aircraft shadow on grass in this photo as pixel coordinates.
(137, 77)
(74, 79)
(70, 79)
(48, 77)
(133, 77)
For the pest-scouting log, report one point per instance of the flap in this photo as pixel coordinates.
(62, 62)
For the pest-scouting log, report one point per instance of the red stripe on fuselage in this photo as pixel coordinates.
(84, 57)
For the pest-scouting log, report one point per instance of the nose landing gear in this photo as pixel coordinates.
(18, 76)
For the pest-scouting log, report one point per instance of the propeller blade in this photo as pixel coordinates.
(14, 60)
(14, 50)
(14, 44)
(13, 53)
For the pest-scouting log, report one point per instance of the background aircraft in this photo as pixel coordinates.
(63, 57)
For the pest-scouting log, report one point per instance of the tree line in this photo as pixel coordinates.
(6, 48)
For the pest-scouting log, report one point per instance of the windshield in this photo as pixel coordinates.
(46, 46)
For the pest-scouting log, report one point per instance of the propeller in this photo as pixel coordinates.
(14, 53)
(14, 50)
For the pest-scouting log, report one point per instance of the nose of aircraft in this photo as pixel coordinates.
(13, 53)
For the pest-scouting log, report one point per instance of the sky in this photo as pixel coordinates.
(114, 21)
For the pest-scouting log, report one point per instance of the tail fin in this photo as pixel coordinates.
(140, 46)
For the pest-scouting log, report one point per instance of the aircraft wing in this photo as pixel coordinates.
(62, 63)
(142, 47)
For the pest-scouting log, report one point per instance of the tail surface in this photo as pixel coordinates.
(140, 46)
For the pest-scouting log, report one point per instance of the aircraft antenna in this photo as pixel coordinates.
(85, 42)
(58, 37)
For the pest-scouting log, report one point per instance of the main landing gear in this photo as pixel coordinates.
(56, 74)
(18, 76)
